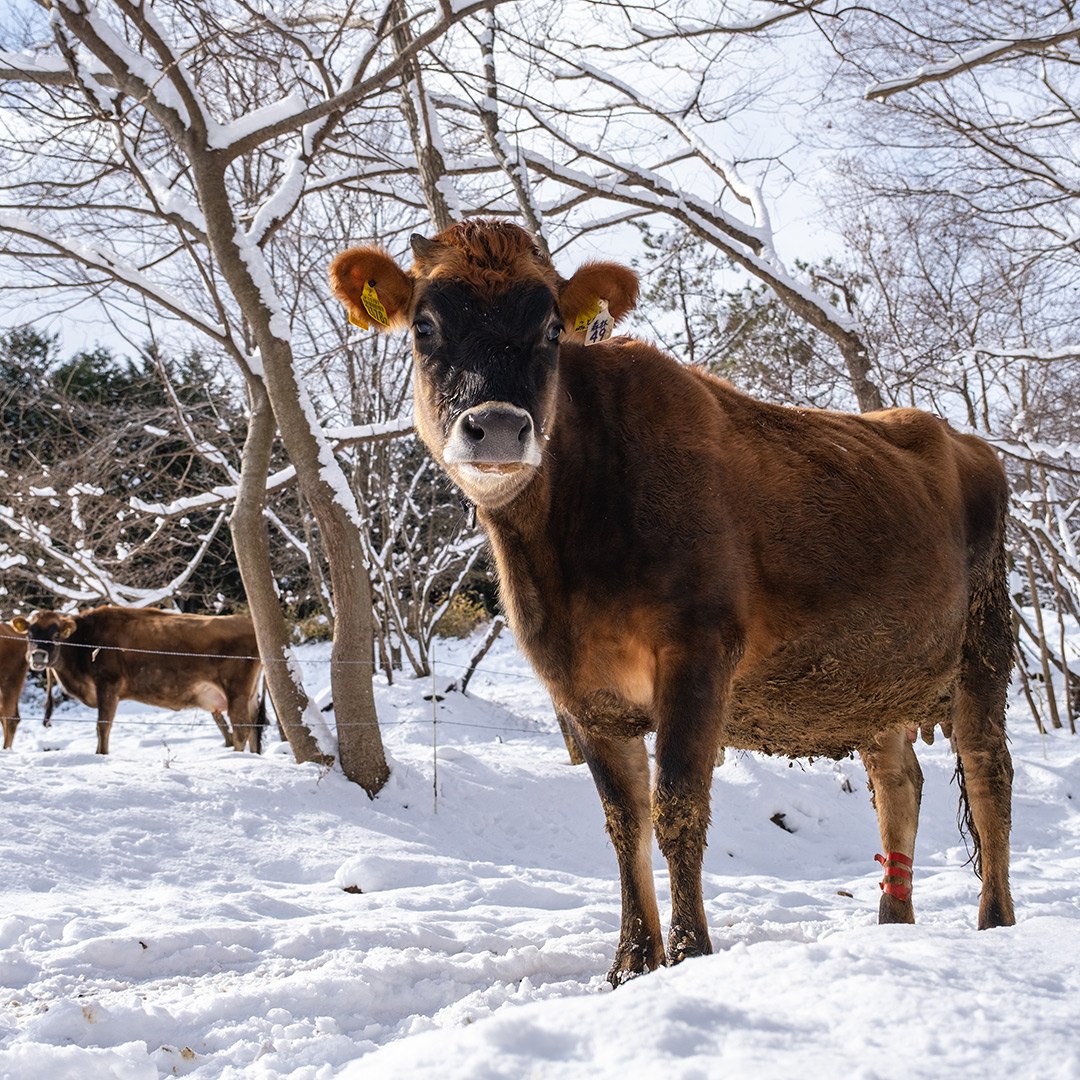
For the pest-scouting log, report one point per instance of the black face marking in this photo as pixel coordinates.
(472, 352)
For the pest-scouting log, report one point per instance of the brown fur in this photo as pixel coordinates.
(686, 560)
(13, 669)
(170, 661)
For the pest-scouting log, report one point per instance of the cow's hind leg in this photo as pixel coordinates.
(248, 719)
(985, 773)
(108, 697)
(896, 784)
(620, 768)
(985, 768)
(11, 722)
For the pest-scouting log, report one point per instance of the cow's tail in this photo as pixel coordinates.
(50, 679)
(966, 822)
(260, 719)
(986, 664)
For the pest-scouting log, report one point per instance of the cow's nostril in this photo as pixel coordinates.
(472, 430)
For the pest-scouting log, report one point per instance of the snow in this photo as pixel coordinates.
(179, 909)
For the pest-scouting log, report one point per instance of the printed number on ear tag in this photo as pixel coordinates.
(600, 326)
(373, 306)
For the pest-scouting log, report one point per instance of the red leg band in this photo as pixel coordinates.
(897, 866)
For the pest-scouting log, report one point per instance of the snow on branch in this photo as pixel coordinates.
(726, 170)
(654, 194)
(281, 120)
(685, 29)
(226, 493)
(97, 258)
(984, 54)
(94, 582)
(46, 70)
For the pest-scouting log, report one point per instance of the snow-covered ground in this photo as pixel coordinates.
(177, 909)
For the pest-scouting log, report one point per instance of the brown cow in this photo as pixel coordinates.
(679, 558)
(13, 668)
(171, 661)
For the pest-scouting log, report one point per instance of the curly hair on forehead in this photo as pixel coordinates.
(487, 254)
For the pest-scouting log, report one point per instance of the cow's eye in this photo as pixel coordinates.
(423, 328)
(554, 330)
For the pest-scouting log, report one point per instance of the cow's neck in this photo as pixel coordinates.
(528, 574)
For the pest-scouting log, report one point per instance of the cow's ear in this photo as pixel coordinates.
(67, 627)
(374, 289)
(19, 625)
(579, 298)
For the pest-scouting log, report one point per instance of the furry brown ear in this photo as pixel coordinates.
(19, 625)
(67, 627)
(594, 281)
(374, 289)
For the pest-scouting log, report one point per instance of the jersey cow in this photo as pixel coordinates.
(676, 557)
(13, 668)
(159, 658)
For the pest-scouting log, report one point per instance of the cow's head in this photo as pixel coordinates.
(488, 312)
(44, 631)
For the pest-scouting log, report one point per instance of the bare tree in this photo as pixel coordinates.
(206, 158)
(958, 202)
(174, 102)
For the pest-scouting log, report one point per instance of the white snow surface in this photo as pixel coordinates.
(179, 909)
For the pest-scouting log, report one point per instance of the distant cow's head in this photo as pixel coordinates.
(44, 631)
(488, 312)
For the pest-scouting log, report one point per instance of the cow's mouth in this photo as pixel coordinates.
(490, 468)
(39, 660)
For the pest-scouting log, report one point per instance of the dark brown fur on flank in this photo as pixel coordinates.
(677, 557)
(158, 658)
(13, 669)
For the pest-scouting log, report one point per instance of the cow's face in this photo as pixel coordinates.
(488, 313)
(44, 631)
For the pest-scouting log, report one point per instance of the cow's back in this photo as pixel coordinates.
(160, 658)
(836, 548)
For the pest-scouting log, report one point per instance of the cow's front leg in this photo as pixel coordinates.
(11, 723)
(687, 738)
(108, 697)
(620, 768)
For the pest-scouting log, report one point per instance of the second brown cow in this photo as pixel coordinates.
(13, 668)
(170, 661)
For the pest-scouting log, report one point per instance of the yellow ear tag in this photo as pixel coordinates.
(599, 329)
(587, 316)
(359, 320)
(373, 306)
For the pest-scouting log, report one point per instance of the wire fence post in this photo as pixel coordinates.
(434, 736)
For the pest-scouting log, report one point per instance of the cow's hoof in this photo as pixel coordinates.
(684, 944)
(631, 961)
(892, 909)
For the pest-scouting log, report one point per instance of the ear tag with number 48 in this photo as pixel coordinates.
(373, 305)
(600, 326)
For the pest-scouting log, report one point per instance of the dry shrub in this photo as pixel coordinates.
(462, 617)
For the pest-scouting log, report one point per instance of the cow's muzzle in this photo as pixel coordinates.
(39, 659)
(494, 436)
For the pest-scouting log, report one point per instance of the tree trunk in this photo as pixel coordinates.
(360, 748)
(251, 545)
